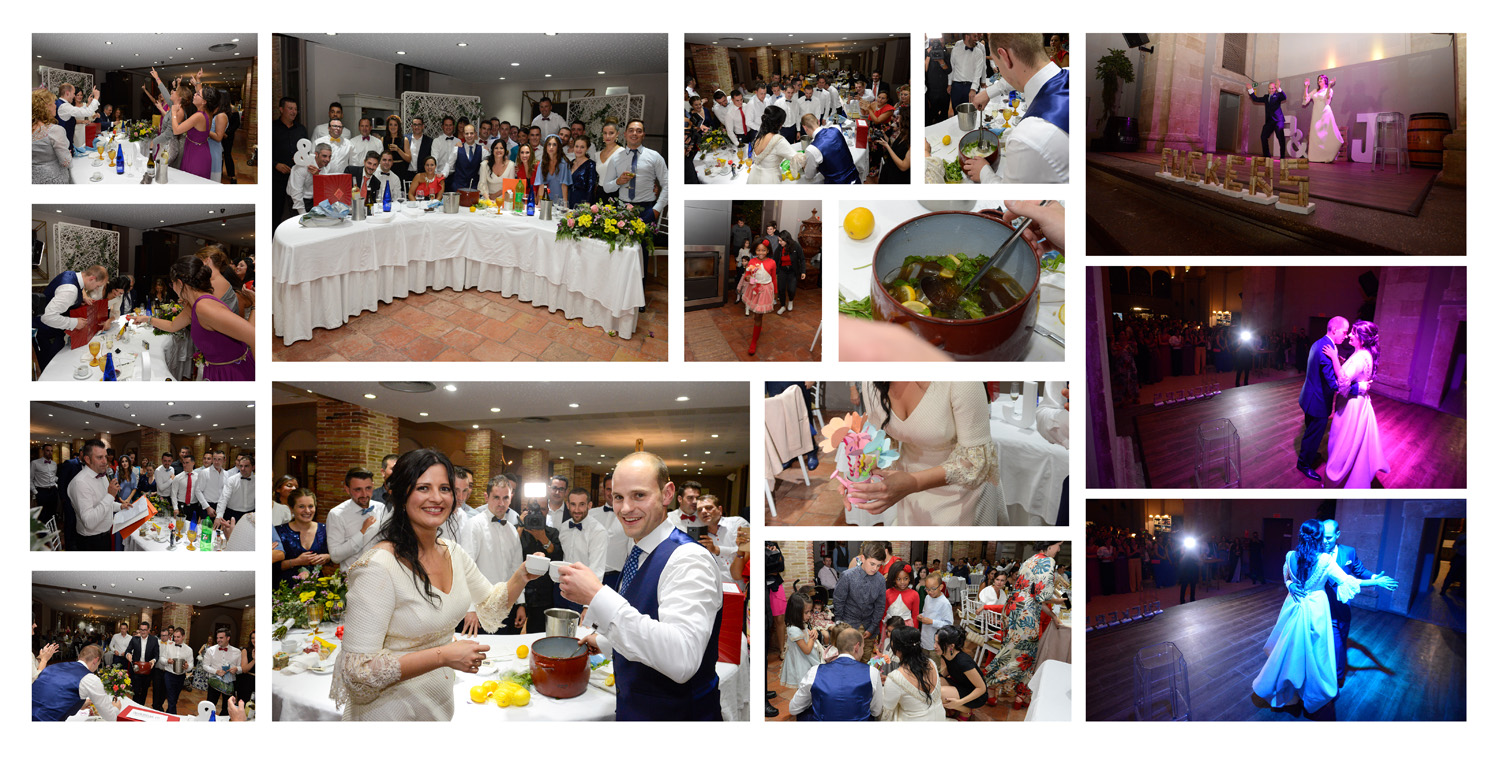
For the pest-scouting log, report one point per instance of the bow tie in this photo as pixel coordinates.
(223, 648)
(578, 526)
(500, 521)
(608, 509)
(687, 517)
(969, 47)
(98, 475)
(366, 510)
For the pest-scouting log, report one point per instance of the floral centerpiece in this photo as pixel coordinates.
(860, 449)
(293, 600)
(137, 131)
(167, 310)
(616, 225)
(713, 140)
(116, 683)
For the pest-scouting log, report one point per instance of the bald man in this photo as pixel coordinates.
(1318, 391)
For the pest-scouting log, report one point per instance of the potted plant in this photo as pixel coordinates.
(1112, 69)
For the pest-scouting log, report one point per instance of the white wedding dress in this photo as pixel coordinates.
(1354, 452)
(765, 166)
(1300, 663)
(387, 617)
(1323, 138)
(949, 428)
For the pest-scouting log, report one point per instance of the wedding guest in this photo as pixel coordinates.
(686, 513)
(497, 169)
(387, 466)
(546, 121)
(72, 106)
(304, 541)
(222, 662)
(859, 599)
(1028, 614)
(190, 121)
(238, 496)
(44, 483)
(719, 112)
(526, 167)
(300, 187)
(244, 684)
(339, 149)
(62, 690)
(491, 538)
(142, 653)
(185, 486)
(967, 73)
(534, 139)
(965, 690)
(994, 590)
(118, 644)
(396, 142)
(94, 498)
(843, 689)
(421, 149)
(583, 184)
(636, 173)
(662, 627)
(286, 131)
(609, 134)
(607, 513)
(552, 174)
(791, 268)
(584, 540)
(335, 114)
(399, 655)
(720, 531)
(802, 650)
(67, 291)
(895, 144)
(937, 612)
(353, 524)
(739, 121)
(466, 163)
(913, 691)
(51, 149)
(900, 599)
(211, 479)
(427, 184)
(176, 662)
(538, 537)
(828, 576)
(565, 135)
(281, 511)
(1036, 148)
(214, 103)
(827, 154)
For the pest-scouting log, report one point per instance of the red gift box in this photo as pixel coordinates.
(731, 624)
(861, 133)
(337, 188)
(93, 316)
(90, 131)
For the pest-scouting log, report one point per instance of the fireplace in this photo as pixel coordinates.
(703, 277)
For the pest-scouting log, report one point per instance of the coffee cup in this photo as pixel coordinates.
(536, 565)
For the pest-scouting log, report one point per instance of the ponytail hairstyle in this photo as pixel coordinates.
(193, 273)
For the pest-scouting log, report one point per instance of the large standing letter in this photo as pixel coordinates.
(1188, 173)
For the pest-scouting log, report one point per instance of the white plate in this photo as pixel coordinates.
(82, 373)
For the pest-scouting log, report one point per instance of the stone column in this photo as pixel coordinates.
(563, 467)
(1100, 407)
(712, 64)
(1455, 145)
(583, 478)
(1398, 311)
(1171, 82)
(534, 467)
(247, 625)
(199, 446)
(763, 64)
(477, 448)
(786, 62)
(176, 614)
(349, 435)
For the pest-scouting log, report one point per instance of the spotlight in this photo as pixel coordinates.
(1190, 543)
(1246, 335)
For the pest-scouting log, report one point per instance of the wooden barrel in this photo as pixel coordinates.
(1424, 139)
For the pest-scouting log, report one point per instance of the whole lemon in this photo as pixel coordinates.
(859, 223)
(520, 698)
(503, 699)
(490, 686)
(947, 140)
(478, 694)
(522, 651)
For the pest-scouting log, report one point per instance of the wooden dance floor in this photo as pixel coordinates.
(1346, 182)
(1400, 669)
(1426, 449)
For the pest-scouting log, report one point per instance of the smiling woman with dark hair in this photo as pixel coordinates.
(406, 596)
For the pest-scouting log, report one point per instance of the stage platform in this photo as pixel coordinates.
(1133, 212)
(1427, 449)
(1400, 669)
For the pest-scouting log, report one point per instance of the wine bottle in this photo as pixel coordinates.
(385, 203)
(119, 159)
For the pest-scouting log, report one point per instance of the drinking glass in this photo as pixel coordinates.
(94, 350)
(1015, 391)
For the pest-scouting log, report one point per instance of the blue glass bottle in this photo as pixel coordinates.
(109, 368)
(119, 159)
(386, 202)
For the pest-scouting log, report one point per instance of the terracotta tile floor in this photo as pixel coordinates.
(1001, 712)
(799, 504)
(723, 334)
(470, 326)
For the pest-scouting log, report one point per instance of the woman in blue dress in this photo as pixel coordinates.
(583, 188)
(552, 171)
(304, 541)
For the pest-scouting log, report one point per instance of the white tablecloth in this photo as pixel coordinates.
(1032, 471)
(1057, 641)
(83, 169)
(957, 586)
(703, 162)
(1051, 692)
(326, 275)
(935, 132)
(139, 543)
(128, 363)
(855, 257)
(304, 697)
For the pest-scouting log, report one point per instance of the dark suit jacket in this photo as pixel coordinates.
(153, 648)
(539, 590)
(1348, 560)
(1272, 103)
(421, 149)
(1321, 384)
(884, 87)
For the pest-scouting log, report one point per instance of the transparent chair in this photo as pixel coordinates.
(1217, 461)
(1161, 684)
(1390, 141)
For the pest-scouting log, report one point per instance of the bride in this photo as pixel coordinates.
(1324, 138)
(770, 149)
(1354, 451)
(1300, 664)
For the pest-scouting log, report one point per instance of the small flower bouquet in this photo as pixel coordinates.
(713, 140)
(116, 683)
(137, 131)
(616, 225)
(167, 311)
(292, 600)
(860, 449)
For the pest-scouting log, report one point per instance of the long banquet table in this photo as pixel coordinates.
(304, 697)
(83, 169)
(133, 362)
(1032, 471)
(326, 275)
(710, 172)
(1051, 692)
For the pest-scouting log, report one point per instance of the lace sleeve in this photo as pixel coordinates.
(491, 600)
(975, 460)
(60, 145)
(1348, 586)
(365, 667)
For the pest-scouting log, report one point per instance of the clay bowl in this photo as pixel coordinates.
(559, 667)
(1001, 337)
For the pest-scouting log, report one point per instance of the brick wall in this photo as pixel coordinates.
(786, 62)
(250, 97)
(153, 443)
(477, 449)
(712, 64)
(348, 435)
(534, 466)
(174, 614)
(799, 561)
(762, 64)
(247, 625)
(563, 467)
(583, 477)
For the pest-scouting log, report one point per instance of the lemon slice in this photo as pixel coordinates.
(956, 261)
(945, 272)
(917, 306)
(905, 293)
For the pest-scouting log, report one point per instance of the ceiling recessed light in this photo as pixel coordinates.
(683, 440)
(423, 414)
(476, 425)
(463, 44)
(107, 42)
(450, 387)
(682, 399)
(550, 34)
(573, 404)
(171, 404)
(515, 63)
(369, 396)
(547, 75)
(400, 52)
(714, 436)
(546, 441)
(601, 72)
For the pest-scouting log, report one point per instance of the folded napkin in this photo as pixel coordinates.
(300, 663)
(331, 209)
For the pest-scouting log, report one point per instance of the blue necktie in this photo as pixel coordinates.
(578, 526)
(632, 564)
(635, 155)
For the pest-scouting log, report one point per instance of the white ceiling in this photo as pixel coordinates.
(488, 57)
(610, 416)
(140, 51)
(797, 43)
(125, 592)
(65, 421)
(223, 222)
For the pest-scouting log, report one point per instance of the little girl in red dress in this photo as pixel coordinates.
(757, 287)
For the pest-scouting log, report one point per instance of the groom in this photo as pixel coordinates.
(1341, 612)
(1318, 390)
(1275, 121)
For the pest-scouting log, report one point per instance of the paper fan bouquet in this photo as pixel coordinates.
(859, 450)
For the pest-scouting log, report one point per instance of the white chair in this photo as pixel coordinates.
(771, 500)
(993, 630)
(817, 392)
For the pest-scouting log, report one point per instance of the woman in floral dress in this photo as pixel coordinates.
(1024, 624)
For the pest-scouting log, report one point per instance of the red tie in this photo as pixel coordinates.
(189, 498)
(744, 126)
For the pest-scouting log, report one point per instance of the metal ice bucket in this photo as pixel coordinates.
(561, 622)
(968, 116)
(450, 203)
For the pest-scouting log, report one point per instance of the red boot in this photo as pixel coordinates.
(754, 339)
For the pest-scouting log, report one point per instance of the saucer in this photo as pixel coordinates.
(81, 373)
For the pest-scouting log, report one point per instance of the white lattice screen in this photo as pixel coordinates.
(432, 107)
(52, 78)
(594, 111)
(79, 247)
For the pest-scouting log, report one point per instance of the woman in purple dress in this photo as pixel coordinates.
(225, 339)
(193, 126)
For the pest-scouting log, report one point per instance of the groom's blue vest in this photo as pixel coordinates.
(838, 163)
(646, 694)
(841, 691)
(1051, 102)
(68, 123)
(54, 694)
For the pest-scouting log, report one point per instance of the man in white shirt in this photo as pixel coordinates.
(720, 532)
(339, 157)
(828, 576)
(175, 662)
(162, 477)
(93, 494)
(222, 662)
(142, 654)
(44, 483)
(756, 106)
(720, 110)
(445, 147)
(387, 464)
(364, 142)
(69, 290)
(300, 185)
(463, 485)
(738, 125)
(584, 540)
(490, 538)
(64, 688)
(211, 484)
(386, 177)
(686, 513)
(607, 514)
(966, 74)
(937, 612)
(1036, 148)
(825, 691)
(118, 644)
(335, 114)
(786, 100)
(823, 100)
(557, 501)
(859, 101)
(549, 122)
(238, 497)
(186, 486)
(354, 524)
(662, 627)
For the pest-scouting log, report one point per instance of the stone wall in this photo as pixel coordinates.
(1419, 311)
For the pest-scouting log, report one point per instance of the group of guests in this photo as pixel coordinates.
(1119, 561)
(86, 491)
(888, 644)
(1144, 351)
(214, 331)
(769, 119)
(160, 666)
(645, 564)
(555, 158)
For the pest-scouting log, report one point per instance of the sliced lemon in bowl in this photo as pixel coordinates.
(904, 293)
(918, 307)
